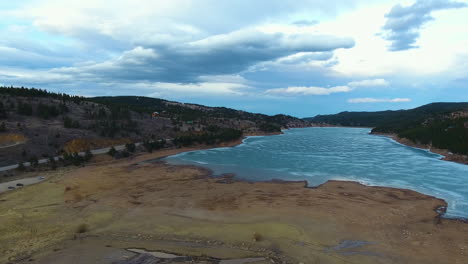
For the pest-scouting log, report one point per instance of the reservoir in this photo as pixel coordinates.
(351, 154)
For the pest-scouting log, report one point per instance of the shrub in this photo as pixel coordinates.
(130, 147)
(257, 237)
(34, 162)
(269, 127)
(112, 151)
(73, 159)
(77, 159)
(154, 145)
(82, 228)
(70, 123)
(46, 111)
(148, 146)
(3, 112)
(88, 155)
(52, 163)
(24, 109)
(124, 154)
(21, 166)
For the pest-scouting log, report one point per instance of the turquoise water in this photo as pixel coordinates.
(321, 154)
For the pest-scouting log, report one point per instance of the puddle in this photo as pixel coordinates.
(240, 261)
(157, 254)
(164, 255)
(345, 248)
(345, 244)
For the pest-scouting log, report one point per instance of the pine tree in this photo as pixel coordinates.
(21, 166)
(52, 163)
(130, 147)
(112, 151)
(88, 155)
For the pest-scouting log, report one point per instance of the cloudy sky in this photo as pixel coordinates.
(300, 57)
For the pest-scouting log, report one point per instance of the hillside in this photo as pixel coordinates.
(393, 119)
(439, 125)
(35, 123)
(194, 112)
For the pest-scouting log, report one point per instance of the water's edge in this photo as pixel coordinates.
(440, 210)
(444, 154)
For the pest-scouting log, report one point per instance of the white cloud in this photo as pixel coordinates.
(440, 43)
(303, 90)
(153, 20)
(210, 46)
(369, 83)
(403, 22)
(236, 78)
(15, 76)
(203, 88)
(308, 90)
(378, 100)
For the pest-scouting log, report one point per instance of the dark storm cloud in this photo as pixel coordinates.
(216, 55)
(12, 57)
(404, 22)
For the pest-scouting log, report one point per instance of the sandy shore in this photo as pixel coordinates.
(92, 214)
(447, 155)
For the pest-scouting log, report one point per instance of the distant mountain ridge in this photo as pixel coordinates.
(388, 117)
(439, 125)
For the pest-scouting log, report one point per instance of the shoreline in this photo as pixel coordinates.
(143, 158)
(446, 154)
(231, 177)
(34, 174)
(132, 204)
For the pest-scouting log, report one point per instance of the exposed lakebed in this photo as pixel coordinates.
(321, 154)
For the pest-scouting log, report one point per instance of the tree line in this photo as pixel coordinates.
(441, 133)
(212, 136)
(33, 92)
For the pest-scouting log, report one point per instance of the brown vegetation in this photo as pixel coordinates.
(11, 138)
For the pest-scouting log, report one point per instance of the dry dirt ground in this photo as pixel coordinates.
(92, 214)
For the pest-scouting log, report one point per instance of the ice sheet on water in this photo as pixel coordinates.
(321, 154)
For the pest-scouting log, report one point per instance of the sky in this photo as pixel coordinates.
(297, 57)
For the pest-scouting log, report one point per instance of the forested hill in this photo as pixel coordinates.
(190, 112)
(37, 123)
(146, 105)
(441, 125)
(392, 119)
